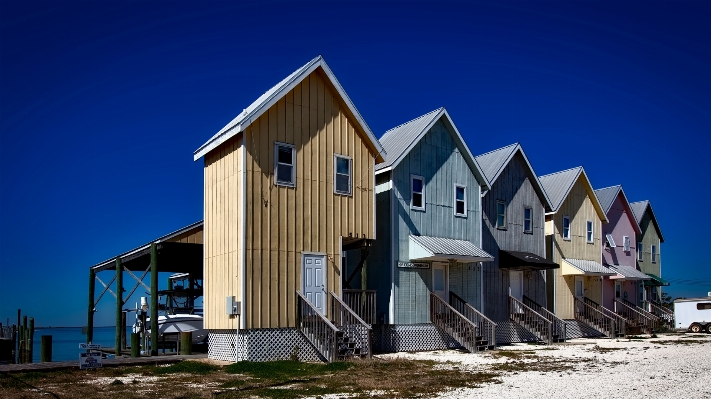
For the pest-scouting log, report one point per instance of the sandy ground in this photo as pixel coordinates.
(670, 366)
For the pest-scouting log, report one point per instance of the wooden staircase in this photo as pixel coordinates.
(558, 326)
(531, 320)
(342, 337)
(485, 327)
(598, 317)
(463, 330)
(666, 316)
(638, 320)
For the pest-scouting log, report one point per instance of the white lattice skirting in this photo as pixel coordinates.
(260, 345)
(388, 338)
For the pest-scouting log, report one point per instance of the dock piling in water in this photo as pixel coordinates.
(46, 350)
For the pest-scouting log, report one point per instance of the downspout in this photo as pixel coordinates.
(243, 238)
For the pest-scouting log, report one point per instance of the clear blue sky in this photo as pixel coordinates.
(103, 103)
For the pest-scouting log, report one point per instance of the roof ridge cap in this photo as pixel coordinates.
(562, 171)
(412, 120)
(498, 149)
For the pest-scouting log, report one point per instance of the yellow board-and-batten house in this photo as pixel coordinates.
(288, 183)
(573, 238)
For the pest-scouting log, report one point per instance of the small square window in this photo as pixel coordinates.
(342, 175)
(460, 200)
(284, 165)
(500, 215)
(417, 199)
(589, 231)
(640, 252)
(626, 243)
(527, 222)
(566, 227)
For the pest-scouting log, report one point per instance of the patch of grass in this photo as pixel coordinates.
(600, 349)
(682, 342)
(284, 369)
(637, 337)
(513, 354)
(187, 367)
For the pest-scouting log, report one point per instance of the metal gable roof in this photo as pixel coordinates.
(590, 267)
(400, 140)
(494, 162)
(271, 96)
(629, 272)
(639, 207)
(606, 197)
(558, 185)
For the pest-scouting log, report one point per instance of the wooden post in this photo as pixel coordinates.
(14, 344)
(123, 330)
(18, 337)
(119, 306)
(30, 340)
(154, 300)
(186, 343)
(23, 351)
(46, 352)
(90, 313)
(135, 344)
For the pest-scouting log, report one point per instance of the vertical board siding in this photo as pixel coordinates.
(283, 222)
(222, 248)
(513, 186)
(650, 237)
(619, 225)
(438, 159)
(578, 206)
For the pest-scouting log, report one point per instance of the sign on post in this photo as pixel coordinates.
(89, 346)
(89, 360)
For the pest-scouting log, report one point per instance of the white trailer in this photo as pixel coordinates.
(693, 314)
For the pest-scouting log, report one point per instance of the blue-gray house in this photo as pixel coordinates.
(426, 259)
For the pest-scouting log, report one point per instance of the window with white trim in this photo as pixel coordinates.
(610, 240)
(527, 219)
(654, 254)
(417, 194)
(640, 252)
(500, 215)
(589, 231)
(460, 200)
(284, 164)
(626, 243)
(342, 175)
(566, 227)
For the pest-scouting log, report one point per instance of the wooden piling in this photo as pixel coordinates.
(46, 351)
(154, 300)
(186, 343)
(90, 312)
(30, 340)
(119, 305)
(123, 330)
(135, 344)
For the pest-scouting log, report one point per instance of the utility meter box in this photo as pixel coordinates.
(232, 307)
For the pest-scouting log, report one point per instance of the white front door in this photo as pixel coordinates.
(314, 280)
(579, 287)
(440, 282)
(516, 284)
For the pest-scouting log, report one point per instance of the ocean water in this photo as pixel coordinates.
(65, 341)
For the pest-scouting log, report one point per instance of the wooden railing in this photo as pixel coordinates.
(560, 328)
(444, 316)
(362, 302)
(316, 328)
(591, 315)
(654, 321)
(351, 325)
(662, 313)
(620, 321)
(531, 320)
(5, 332)
(633, 316)
(487, 328)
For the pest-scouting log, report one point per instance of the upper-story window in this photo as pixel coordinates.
(626, 243)
(460, 200)
(640, 252)
(342, 177)
(610, 240)
(527, 222)
(417, 185)
(500, 215)
(654, 253)
(284, 164)
(566, 227)
(589, 231)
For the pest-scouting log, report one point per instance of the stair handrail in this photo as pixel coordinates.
(635, 315)
(621, 321)
(529, 317)
(349, 322)
(440, 309)
(591, 315)
(487, 327)
(559, 326)
(362, 302)
(316, 328)
(641, 310)
(663, 313)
